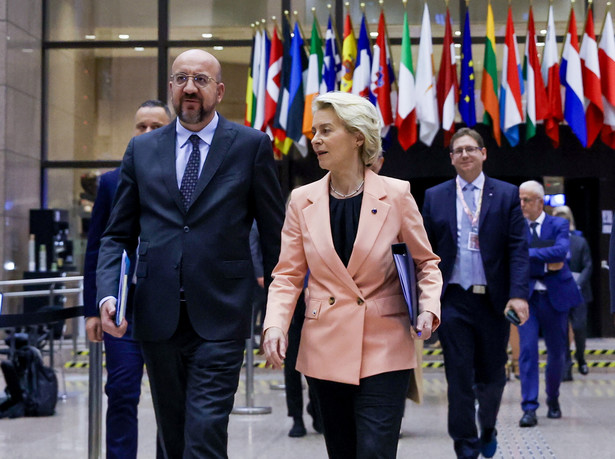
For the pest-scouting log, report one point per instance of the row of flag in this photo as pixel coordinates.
(283, 79)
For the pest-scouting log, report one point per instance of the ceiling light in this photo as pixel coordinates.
(90, 37)
(139, 48)
(207, 35)
(218, 48)
(373, 34)
(543, 31)
(123, 36)
(457, 33)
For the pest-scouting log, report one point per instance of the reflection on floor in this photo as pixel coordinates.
(585, 430)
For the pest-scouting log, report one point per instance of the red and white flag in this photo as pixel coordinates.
(550, 75)
(591, 80)
(383, 78)
(606, 56)
(447, 87)
(273, 80)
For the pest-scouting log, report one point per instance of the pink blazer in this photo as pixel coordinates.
(356, 319)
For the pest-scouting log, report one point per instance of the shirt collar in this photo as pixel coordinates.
(478, 182)
(206, 134)
(540, 219)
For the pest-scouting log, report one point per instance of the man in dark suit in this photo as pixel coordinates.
(187, 197)
(553, 292)
(579, 261)
(475, 225)
(124, 362)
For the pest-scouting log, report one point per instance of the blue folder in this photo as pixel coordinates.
(407, 278)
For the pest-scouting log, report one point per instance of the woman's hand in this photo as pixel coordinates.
(424, 323)
(274, 346)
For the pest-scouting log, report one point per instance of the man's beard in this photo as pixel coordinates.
(192, 117)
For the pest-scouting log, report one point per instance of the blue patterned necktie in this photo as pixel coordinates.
(465, 261)
(534, 232)
(191, 173)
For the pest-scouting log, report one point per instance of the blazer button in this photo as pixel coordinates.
(186, 229)
(314, 312)
(331, 300)
(360, 301)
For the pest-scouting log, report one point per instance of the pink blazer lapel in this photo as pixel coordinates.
(373, 215)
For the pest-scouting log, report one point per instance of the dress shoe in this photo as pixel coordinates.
(489, 443)
(298, 428)
(583, 368)
(528, 419)
(567, 373)
(554, 411)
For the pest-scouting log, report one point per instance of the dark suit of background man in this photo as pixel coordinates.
(188, 195)
(553, 292)
(485, 270)
(124, 361)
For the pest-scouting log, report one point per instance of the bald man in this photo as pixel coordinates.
(187, 196)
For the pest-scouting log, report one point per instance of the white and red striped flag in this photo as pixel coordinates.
(274, 75)
(591, 80)
(383, 78)
(606, 56)
(550, 76)
(447, 87)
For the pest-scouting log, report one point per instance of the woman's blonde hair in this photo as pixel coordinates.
(358, 115)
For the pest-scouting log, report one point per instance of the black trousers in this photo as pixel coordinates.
(578, 321)
(193, 384)
(362, 422)
(474, 339)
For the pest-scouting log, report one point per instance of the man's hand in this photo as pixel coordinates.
(555, 266)
(260, 281)
(424, 325)
(107, 316)
(519, 305)
(93, 329)
(274, 345)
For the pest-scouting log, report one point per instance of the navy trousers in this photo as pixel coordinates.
(193, 383)
(124, 362)
(474, 339)
(554, 326)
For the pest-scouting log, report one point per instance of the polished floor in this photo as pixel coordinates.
(586, 429)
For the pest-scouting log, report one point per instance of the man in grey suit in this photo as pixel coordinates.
(187, 197)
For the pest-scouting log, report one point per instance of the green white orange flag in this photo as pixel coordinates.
(314, 76)
(489, 88)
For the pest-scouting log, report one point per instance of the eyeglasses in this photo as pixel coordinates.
(528, 200)
(469, 150)
(201, 80)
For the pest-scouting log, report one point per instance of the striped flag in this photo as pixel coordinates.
(361, 79)
(273, 81)
(296, 99)
(591, 80)
(426, 100)
(249, 94)
(536, 108)
(467, 104)
(261, 87)
(314, 75)
(550, 76)
(489, 87)
(606, 55)
(332, 63)
(571, 77)
(446, 87)
(383, 78)
(349, 55)
(511, 87)
(406, 102)
(282, 143)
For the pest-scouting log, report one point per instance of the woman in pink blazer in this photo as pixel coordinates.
(357, 342)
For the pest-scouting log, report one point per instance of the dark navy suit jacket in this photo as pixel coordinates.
(501, 234)
(561, 287)
(208, 244)
(100, 216)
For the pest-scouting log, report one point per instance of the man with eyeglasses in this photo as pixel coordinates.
(553, 292)
(123, 357)
(188, 194)
(475, 225)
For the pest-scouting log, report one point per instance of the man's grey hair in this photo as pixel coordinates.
(533, 187)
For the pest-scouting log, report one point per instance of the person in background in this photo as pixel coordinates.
(475, 225)
(553, 292)
(124, 361)
(579, 260)
(357, 343)
(187, 197)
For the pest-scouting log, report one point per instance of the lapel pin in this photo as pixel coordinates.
(374, 211)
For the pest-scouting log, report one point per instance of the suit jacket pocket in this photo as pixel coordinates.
(141, 268)
(142, 249)
(312, 310)
(237, 269)
(391, 305)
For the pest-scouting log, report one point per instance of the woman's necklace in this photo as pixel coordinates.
(352, 193)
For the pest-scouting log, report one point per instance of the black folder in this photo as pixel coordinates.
(407, 278)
